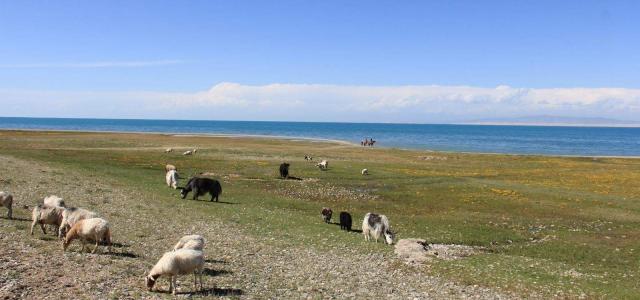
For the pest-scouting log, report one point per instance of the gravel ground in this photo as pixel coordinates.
(238, 265)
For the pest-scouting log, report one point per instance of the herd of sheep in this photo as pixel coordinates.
(187, 257)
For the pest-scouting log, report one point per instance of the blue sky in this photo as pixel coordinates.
(422, 61)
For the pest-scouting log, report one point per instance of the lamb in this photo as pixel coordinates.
(375, 225)
(172, 179)
(95, 229)
(71, 215)
(194, 242)
(168, 150)
(323, 165)
(6, 200)
(179, 262)
(284, 170)
(201, 186)
(53, 200)
(365, 172)
(345, 221)
(170, 167)
(326, 214)
(44, 214)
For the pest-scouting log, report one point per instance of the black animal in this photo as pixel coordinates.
(345, 221)
(326, 214)
(284, 170)
(201, 186)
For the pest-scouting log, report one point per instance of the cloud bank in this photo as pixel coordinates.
(342, 103)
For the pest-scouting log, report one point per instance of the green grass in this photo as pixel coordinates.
(559, 226)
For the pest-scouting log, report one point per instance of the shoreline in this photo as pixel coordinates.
(310, 139)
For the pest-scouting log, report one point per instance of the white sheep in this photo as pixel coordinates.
(44, 214)
(168, 150)
(94, 229)
(179, 262)
(365, 172)
(6, 200)
(170, 167)
(188, 152)
(54, 200)
(193, 242)
(172, 179)
(71, 215)
(324, 164)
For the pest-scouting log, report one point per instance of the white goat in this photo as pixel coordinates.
(376, 225)
(6, 200)
(324, 164)
(193, 242)
(365, 172)
(71, 215)
(53, 200)
(179, 262)
(44, 214)
(94, 229)
(172, 179)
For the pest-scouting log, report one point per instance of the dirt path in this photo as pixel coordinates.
(238, 265)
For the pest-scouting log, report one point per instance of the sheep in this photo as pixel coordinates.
(179, 262)
(323, 165)
(326, 214)
(365, 172)
(193, 242)
(95, 229)
(44, 214)
(345, 221)
(170, 167)
(188, 152)
(71, 215)
(172, 179)
(53, 200)
(284, 170)
(201, 186)
(374, 225)
(169, 150)
(307, 157)
(6, 200)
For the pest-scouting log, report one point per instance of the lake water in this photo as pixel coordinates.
(550, 140)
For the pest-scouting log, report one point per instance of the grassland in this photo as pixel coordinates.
(551, 226)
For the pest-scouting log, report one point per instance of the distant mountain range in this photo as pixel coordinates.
(555, 121)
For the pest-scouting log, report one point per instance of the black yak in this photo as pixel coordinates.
(201, 186)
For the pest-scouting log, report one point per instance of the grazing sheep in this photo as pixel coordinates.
(53, 200)
(94, 229)
(179, 262)
(172, 179)
(188, 152)
(345, 221)
(326, 214)
(307, 157)
(170, 167)
(375, 225)
(71, 215)
(323, 165)
(6, 200)
(201, 186)
(365, 172)
(284, 170)
(168, 150)
(44, 214)
(193, 242)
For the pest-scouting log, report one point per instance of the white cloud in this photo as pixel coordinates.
(87, 65)
(318, 102)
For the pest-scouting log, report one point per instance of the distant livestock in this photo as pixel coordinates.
(345, 221)
(168, 150)
(326, 214)
(170, 167)
(193, 242)
(172, 179)
(179, 262)
(44, 214)
(284, 170)
(201, 186)
(6, 200)
(190, 152)
(53, 200)
(94, 229)
(365, 172)
(375, 225)
(323, 165)
(307, 157)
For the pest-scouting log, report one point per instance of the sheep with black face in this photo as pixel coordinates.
(201, 186)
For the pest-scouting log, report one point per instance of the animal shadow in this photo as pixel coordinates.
(352, 230)
(292, 178)
(17, 219)
(215, 261)
(123, 254)
(213, 272)
(221, 292)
